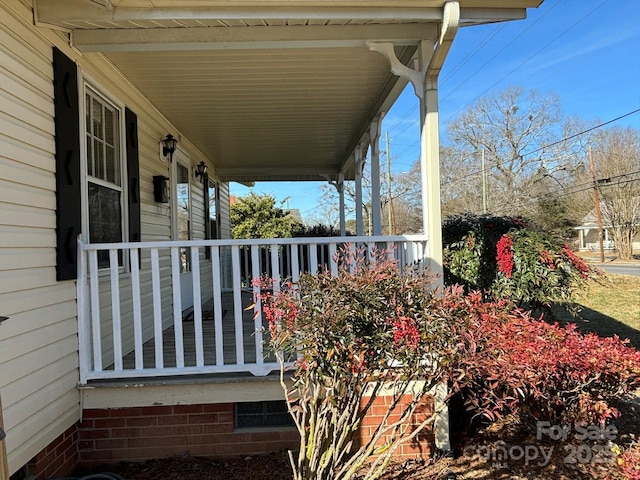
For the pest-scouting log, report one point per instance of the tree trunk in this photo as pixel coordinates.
(623, 239)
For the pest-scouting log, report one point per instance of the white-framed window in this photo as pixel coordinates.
(104, 173)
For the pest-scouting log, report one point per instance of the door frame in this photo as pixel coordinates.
(180, 157)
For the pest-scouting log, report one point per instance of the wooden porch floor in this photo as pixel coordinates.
(208, 333)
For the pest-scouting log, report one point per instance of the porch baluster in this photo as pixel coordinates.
(217, 304)
(115, 309)
(157, 309)
(177, 306)
(96, 331)
(237, 304)
(197, 306)
(137, 309)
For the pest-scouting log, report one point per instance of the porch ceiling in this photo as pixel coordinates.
(269, 90)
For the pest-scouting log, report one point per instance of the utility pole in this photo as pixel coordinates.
(596, 199)
(484, 185)
(391, 218)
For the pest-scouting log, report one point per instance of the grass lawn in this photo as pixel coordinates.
(610, 308)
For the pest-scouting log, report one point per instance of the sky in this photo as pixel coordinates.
(586, 51)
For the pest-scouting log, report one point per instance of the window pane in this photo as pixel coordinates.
(87, 104)
(103, 156)
(213, 201)
(97, 119)
(112, 166)
(109, 122)
(213, 210)
(98, 152)
(105, 213)
(90, 157)
(184, 203)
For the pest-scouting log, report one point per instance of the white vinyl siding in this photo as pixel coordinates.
(38, 344)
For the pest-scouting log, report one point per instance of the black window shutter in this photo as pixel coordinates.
(68, 199)
(133, 175)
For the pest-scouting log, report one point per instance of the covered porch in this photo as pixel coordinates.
(295, 91)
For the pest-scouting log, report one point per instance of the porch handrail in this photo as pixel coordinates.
(252, 241)
(132, 299)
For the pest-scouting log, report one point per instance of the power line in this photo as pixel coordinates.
(472, 174)
(527, 60)
(562, 193)
(468, 57)
(416, 105)
(583, 132)
(472, 75)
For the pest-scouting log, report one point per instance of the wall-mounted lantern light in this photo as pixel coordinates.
(169, 145)
(201, 171)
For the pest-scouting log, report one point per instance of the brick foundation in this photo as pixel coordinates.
(107, 436)
(140, 433)
(59, 458)
(421, 446)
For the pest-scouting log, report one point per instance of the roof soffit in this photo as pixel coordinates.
(270, 90)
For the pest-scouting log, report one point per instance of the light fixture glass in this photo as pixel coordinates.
(201, 170)
(169, 144)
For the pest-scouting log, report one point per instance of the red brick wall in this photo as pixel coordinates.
(59, 458)
(139, 433)
(421, 446)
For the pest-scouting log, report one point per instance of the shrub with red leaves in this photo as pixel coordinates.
(629, 463)
(510, 362)
(531, 268)
(363, 332)
(505, 255)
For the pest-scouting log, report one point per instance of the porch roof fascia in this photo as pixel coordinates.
(73, 14)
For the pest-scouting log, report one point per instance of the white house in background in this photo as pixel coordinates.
(589, 238)
(125, 337)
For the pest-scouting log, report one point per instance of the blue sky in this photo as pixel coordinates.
(586, 51)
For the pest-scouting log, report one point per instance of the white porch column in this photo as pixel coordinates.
(425, 84)
(359, 166)
(430, 177)
(424, 80)
(429, 137)
(343, 220)
(339, 185)
(376, 208)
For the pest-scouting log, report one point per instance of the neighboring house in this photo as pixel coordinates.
(127, 336)
(295, 213)
(589, 238)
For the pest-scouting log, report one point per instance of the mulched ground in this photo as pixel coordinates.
(592, 461)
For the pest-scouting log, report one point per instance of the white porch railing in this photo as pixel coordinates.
(178, 308)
